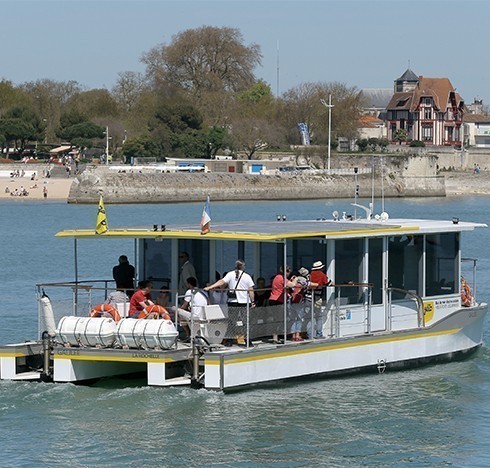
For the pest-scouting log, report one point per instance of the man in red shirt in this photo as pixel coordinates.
(140, 299)
(320, 278)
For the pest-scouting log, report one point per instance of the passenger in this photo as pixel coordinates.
(163, 298)
(140, 299)
(194, 301)
(261, 293)
(187, 270)
(240, 285)
(279, 284)
(240, 293)
(119, 298)
(123, 275)
(320, 278)
(301, 299)
(218, 295)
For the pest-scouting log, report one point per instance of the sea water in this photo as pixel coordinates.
(435, 415)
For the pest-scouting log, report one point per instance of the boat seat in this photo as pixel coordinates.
(123, 309)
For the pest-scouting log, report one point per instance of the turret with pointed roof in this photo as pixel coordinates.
(406, 82)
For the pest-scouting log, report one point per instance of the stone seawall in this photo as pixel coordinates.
(179, 187)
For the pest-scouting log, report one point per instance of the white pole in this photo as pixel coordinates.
(107, 145)
(329, 128)
(329, 106)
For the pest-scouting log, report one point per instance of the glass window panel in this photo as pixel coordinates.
(199, 256)
(441, 263)
(157, 262)
(404, 259)
(376, 269)
(307, 252)
(349, 255)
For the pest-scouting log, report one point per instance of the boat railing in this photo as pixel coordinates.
(408, 294)
(472, 262)
(337, 310)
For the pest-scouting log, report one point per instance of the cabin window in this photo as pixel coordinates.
(307, 252)
(376, 269)
(349, 256)
(271, 257)
(442, 254)
(156, 262)
(198, 251)
(404, 260)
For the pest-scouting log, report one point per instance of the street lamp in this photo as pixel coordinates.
(107, 138)
(329, 106)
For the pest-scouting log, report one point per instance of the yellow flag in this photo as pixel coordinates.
(101, 225)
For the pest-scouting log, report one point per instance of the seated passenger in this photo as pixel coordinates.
(194, 300)
(140, 299)
(117, 297)
(261, 294)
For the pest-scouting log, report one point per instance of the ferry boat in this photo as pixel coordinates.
(396, 300)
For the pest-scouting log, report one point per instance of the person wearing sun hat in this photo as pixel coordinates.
(320, 278)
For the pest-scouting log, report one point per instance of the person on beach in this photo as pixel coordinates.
(45, 192)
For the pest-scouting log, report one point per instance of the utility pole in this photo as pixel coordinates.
(329, 106)
(107, 146)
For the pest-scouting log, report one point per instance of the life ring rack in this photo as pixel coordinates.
(105, 310)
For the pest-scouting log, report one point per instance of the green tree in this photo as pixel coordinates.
(373, 142)
(400, 135)
(362, 144)
(204, 59)
(16, 133)
(128, 89)
(81, 133)
(142, 147)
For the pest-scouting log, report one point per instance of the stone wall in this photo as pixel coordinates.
(185, 187)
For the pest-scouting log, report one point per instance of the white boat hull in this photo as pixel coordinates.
(461, 332)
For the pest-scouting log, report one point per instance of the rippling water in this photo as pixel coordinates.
(432, 416)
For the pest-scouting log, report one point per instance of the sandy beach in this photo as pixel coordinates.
(57, 188)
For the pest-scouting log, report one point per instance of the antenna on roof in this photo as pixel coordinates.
(409, 64)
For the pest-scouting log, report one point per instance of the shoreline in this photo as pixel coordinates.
(457, 184)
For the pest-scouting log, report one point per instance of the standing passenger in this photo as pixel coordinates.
(124, 274)
(187, 270)
(320, 278)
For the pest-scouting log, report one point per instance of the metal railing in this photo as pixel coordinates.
(323, 313)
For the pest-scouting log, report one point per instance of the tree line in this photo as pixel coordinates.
(198, 96)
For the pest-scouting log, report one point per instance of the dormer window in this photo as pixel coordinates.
(401, 102)
(427, 101)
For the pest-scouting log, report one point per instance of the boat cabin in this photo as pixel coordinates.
(382, 271)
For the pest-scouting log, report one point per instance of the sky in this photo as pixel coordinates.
(362, 43)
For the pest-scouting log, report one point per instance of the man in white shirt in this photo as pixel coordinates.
(194, 301)
(240, 285)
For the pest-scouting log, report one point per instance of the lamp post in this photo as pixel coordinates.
(329, 106)
(107, 138)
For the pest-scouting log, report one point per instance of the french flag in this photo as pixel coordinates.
(206, 218)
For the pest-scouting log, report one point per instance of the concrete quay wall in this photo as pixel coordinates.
(185, 187)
